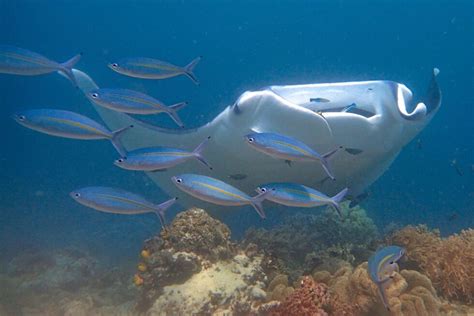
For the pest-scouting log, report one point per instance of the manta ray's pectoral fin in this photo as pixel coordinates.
(432, 98)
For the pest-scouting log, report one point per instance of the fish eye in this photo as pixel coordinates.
(391, 262)
(95, 95)
(263, 189)
(251, 139)
(120, 160)
(115, 65)
(22, 117)
(179, 180)
(77, 195)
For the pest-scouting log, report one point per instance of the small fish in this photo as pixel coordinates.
(381, 267)
(454, 164)
(218, 192)
(452, 216)
(298, 195)
(117, 201)
(349, 107)
(133, 102)
(238, 176)
(419, 144)
(288, 148)
(149, 68)
(358, 199)
(19, 61)
(69, 125)
(319, 100)
(160, 158)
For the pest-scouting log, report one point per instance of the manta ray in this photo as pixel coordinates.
(382, 120)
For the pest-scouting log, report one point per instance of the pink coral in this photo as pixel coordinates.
(307, 300)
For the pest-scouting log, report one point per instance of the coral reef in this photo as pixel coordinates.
(448, 262)
(193, 267)
(305, 241)
(193, 241)
(309, 299)
(410, 293)
(64, 282)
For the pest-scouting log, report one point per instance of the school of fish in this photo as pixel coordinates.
(67, 124)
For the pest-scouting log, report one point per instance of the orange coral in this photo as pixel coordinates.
(449, 262)
(308, 300)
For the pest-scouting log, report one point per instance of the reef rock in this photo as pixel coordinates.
(193, 267)
(223, 288)
(448, 262)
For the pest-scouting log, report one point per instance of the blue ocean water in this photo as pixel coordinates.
(245, 45)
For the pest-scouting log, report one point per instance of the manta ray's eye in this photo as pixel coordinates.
(115, 65)
(251, 139)
(95, 95)
(179, 180)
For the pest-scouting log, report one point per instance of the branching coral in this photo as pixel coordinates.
(448, 262)
(309, 300)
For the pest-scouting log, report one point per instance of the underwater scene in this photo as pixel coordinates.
(237, 157)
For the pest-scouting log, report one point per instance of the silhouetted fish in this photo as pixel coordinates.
(319, 100)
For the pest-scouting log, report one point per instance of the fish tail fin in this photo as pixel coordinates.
(336, 199)
(115, 139)
(325, 162)
(160, 210)
(66, 68)
(172, 111)
(382, 295)
(198, 152)
(256, 202)
(189, 69)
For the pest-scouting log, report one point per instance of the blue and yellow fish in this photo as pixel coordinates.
(117, 201)
(19, 61)
(149, 68)
(218, 192)
(69, 125)
(159, 158)
(287, 148)
(381, 267)
(134, 102)
(298, 195)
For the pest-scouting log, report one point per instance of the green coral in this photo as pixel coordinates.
(306, 241)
